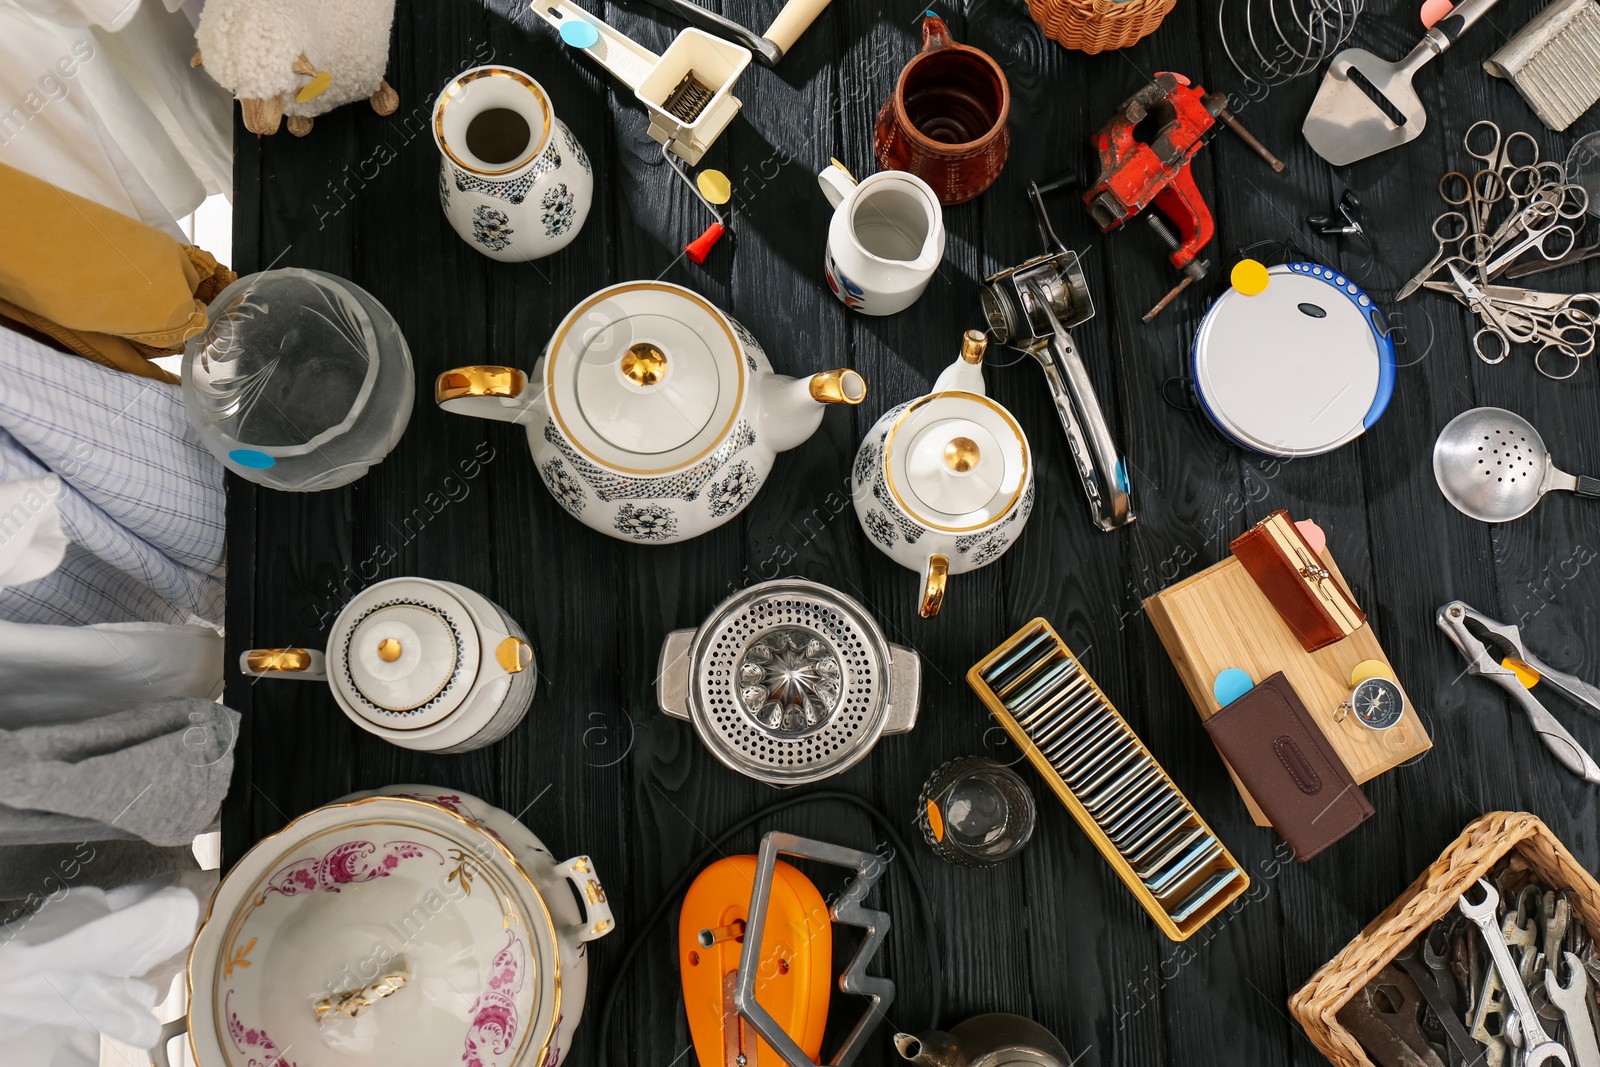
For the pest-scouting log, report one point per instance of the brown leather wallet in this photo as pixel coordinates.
(1305, 593)
(1286, 764)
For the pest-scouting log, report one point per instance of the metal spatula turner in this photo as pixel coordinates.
(1367, 105)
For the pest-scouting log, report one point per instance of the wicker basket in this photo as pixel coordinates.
(1521, 839)
(1098, 25)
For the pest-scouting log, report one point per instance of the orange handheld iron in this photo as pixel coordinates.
(755, 950)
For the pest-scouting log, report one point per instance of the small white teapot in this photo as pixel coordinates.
(426, 665)
(944, 484)
(652, 416)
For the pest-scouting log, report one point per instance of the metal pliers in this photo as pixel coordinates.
(1495, 651)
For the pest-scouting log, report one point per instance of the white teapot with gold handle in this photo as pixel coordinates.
(431, 666)
(652, 415)
(944, 483)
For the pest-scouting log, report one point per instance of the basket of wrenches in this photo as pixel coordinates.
(1512, 216)
(1487, 959)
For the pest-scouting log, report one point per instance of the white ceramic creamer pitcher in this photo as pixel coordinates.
(885, 239)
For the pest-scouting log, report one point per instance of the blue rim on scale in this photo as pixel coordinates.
(1290, 372)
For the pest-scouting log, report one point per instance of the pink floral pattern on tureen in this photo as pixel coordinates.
(552, 1055)
(494, 1013)
(253, 1043)
(497, 1026)
(350, 863)
(456, 806)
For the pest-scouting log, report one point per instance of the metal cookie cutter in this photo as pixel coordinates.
(1030, 307)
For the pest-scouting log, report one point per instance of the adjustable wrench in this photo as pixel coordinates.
(1539, 1049)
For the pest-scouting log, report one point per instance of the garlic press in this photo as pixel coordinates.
(1030, 307)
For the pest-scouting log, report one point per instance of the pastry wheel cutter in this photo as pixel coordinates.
(1495, 651)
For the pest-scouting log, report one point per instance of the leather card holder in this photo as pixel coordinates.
(1288, 767)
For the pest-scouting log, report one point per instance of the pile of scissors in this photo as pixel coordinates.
(1515, 206)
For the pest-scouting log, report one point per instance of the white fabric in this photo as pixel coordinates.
(86, 961)
(32, 543)
(98, 97)
(63, 674)
(52, 1046)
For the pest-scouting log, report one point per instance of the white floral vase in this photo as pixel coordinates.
(513, 180)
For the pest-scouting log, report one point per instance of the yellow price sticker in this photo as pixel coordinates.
(314, 88)
(714, 186)
(1249, 277)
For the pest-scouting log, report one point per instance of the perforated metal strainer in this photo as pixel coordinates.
(789, 682)
(1492, 465)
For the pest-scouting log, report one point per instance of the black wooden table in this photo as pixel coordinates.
(595, 767)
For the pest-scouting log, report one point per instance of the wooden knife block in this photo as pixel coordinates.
(1218, 619)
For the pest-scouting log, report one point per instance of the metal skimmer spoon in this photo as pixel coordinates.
(1492, 465)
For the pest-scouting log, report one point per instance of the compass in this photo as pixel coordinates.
(1376, 703)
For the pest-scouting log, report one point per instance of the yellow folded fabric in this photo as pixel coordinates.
(95, 281)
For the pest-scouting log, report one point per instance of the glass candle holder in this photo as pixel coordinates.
(975, 812)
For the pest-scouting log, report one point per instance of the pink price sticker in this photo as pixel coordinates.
(1434, 10)
(1313, 535)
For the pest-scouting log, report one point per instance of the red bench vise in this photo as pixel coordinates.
(1144, 154)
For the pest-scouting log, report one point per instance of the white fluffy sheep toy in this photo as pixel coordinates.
(298, 58)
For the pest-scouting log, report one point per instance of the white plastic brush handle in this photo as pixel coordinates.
(630, 61)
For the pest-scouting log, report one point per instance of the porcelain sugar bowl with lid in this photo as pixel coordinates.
(427, 665)
(944, 483)
(412, 926)
(652, 415)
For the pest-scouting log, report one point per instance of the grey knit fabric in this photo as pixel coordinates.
(156, 772)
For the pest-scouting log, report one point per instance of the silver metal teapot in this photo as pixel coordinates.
(994, 1040)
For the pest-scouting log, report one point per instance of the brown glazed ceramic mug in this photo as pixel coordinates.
(945, 122)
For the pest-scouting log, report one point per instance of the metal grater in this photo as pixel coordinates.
(1554, 61)
(689, 99)
(789, 682)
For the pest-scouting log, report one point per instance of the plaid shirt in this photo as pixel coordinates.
(141, 497)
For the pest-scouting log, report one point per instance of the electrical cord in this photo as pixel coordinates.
(671, 897)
